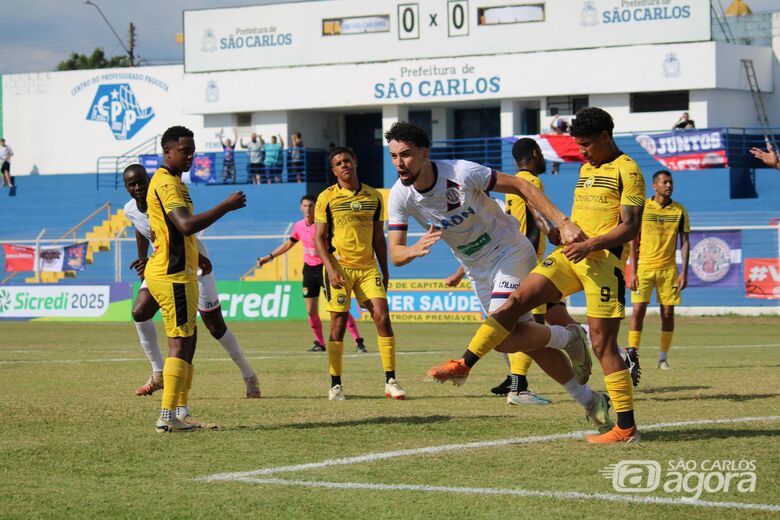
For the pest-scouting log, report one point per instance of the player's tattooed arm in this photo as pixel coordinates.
(401, 254)
(625, 231)
(685, 252)
(536, 199)
(189, 224)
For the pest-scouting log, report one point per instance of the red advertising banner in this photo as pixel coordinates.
(19, 258)
(762, 278)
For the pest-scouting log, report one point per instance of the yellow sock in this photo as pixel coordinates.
(335, 357)
(386, 348)
(184, 395)
(489, 335)
(666, 340)
(634, 338)
(620, 390)
(519, 363)
(175, 373)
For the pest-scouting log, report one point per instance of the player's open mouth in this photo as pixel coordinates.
(404, 176)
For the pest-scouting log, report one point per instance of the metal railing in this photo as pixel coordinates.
(109, 168)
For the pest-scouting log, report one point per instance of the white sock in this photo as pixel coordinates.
(182, 411)
(559, 336)
(147, 334)
(230, 344)
(581, 393)
(166, 414)
(662, 356)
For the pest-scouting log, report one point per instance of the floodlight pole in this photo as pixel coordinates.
(129, 51)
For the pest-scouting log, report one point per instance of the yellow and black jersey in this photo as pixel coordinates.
(516, 206)
(350, 217)
(600, 192)
(658, 238)
(175, 257)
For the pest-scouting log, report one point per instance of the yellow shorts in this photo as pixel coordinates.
(665, 282)
(543, 308)
(366, 284)
(602, 280)
(178, 303)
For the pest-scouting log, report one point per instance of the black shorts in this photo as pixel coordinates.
(6, 167)
(312, 280)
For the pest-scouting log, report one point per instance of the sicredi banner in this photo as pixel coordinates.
(345, 31)
(257, 301)
(429, 301)
(68, 302)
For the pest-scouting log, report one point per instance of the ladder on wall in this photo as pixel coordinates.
(758, 102)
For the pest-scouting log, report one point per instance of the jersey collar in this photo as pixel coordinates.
(435, 180)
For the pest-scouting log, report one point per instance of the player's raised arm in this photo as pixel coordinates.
(536, 198)
(768, 157)
(190, 224)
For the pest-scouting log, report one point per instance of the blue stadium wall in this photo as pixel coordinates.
(57, 202)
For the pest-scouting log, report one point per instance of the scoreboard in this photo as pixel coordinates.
(359, 31)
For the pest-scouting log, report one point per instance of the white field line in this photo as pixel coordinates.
(297, 355)
(534, 439)
(249, 476)
(560, 495)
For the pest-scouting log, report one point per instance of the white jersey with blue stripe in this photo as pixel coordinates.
(472, 224)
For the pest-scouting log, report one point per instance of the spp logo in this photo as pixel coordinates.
(638, 476)
(116, 105)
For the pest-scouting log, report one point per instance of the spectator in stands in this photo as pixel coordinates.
(296, 156)
(273, 158)
(684, 123)
(255, 151)
(560, 126)
(769, 157)
(229, 158)
(5, 159)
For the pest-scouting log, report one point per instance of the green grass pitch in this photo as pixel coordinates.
(75, 442)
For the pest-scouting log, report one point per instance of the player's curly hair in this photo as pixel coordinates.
(174, 133)
(591, 121)
(405, 132)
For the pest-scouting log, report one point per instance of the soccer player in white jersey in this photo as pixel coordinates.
(137, 184)
(451, 199)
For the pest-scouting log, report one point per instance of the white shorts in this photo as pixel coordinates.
(495, 282)
(208, 299)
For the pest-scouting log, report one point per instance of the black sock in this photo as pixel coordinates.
(389, 375)
(519, 383)
(335, 380)
(470, 358)
(626, 420)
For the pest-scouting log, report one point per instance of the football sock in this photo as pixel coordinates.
(634, 338)
(519, 383)
(335, 380)
(489, 335)
(666, 340)
(390, 374)
(621, 393)
(230, 344)
(316, 327)
(520, 363)
(352, 327)
(166, 414)
(182, 411)
(559, 336)
(175, 374)
(184, 394)
(386, 347)
(147, 334)
(662, 356)
(335, 357)
(580, 393)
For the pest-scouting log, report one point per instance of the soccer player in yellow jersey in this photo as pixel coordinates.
(171, 272)
(350, 240)
(653, 257)
(608, 203)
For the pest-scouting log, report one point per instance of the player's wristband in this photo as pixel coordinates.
(271, 256)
